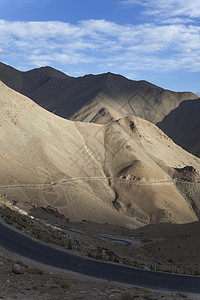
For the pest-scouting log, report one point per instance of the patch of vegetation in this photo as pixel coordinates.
(36, 271)
(69, 244)
(47, 237)
(99, 256)
(125, 261)
(11, 217)
(116, 259)
(63, 284)
(127, 296)
(196, 272)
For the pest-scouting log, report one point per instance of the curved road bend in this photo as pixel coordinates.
(24, 246)
(126, 242)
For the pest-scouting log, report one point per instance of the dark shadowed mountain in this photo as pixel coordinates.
(183, 126)
(93, 98)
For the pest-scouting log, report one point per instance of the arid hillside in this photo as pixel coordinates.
(127, 172)
(183, 126)
(93, 98)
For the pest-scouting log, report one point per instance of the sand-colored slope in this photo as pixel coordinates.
(183, 126)
(39, 148)
(139, 152)
(93, 98)
(105, 173)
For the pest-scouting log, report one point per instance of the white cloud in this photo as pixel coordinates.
(101, 44)
(169, 8)
(2, 52)
(174, 20)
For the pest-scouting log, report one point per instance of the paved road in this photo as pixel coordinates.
(22, 245)
(125, 242)
(108, 239)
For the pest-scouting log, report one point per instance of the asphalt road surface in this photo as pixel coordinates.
(126, 242)
(24, 246)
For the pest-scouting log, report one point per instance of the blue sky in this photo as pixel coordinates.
(154, 40)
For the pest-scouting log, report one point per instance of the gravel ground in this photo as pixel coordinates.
(42, 282)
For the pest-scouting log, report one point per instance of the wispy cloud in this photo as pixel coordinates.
(100, 45)
(2, 52)
(169, 8)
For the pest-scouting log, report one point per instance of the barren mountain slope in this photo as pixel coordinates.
(93, 98)
(44, 158)
(183, 126)
(171, 243)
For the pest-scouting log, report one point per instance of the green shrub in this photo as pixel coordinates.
(69, 245)
(36, 271)
(116, 259)
(127, 296)
(64, 285)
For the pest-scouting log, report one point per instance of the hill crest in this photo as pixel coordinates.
(93, 98)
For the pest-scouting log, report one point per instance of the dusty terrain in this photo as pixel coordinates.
(38, 281)
(173, 243)
(122, 173)
(42, 283)
(93, 98)
(164, 247)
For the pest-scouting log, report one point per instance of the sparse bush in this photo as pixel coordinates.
(64, 285)
(127, 262)
(69, 245)
(35, 287)
(8, 221)
(127, 296)
(196, 273)
(110, 258)
(116, 259)
(99, 255)
(90, 254)
(36, 271)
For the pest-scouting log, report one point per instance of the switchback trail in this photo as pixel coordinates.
(124, 181)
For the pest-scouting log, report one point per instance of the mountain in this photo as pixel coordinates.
(93, 98)
(120, 173)
(182, 125)
(198, 94)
